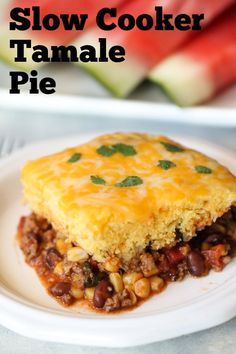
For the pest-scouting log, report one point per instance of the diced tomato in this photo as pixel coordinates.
(217, 57)
(174, 255)
(214, 256)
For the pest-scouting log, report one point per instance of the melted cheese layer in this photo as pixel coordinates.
(107, 220)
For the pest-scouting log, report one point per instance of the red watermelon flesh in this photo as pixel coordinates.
(215, 48)
(61, 36)
(152, 46)
(145, 49)
(203, 67)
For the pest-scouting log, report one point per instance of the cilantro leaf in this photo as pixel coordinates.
(130, 182)
(203, 169)
(105, 150)
(126, 150)
(97, 180)
(74, 158)
(171, 147)
(166, 164)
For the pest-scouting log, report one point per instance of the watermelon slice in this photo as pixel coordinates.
(144, 49)
(203, 67)
(48, 38)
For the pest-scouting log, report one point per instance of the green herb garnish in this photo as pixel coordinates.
(126, 150)
(171, 147)
(130, 182)
(166, 164)
(203, 169)
(97, 180)
(74, 158)
(105, 150)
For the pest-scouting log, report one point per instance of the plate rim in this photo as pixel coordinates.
(116, 108)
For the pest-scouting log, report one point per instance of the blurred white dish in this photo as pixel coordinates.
(185, 307)
(79, 93)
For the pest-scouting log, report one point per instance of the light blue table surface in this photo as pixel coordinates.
(31, 126)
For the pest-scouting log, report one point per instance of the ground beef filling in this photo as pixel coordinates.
(70, 274)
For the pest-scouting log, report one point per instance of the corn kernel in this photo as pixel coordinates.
(226, 259)
(129, 287)
(112, 265)
(77, 254)
(77, 293)
(75, 277)
(59, 268)
(150, 272)
(116, 281)
(68, 243)
(89, 292)
(61, 246)
(133, 297)
(157, 284)
(142, 288)
(130, 278)
(185, 249)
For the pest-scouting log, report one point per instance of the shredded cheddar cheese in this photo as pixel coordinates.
(78, 191)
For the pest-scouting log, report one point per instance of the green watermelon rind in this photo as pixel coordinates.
(98, 77)
(185, 81)
(6, 53)
(166, 89)
(104, 74)
(118, 78)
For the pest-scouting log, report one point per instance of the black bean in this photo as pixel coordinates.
(52, 257)
(102, 292)
(196, 263)
(215, 239)
(60, 289)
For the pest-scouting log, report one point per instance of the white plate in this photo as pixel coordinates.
(78, 93)
(184, 307)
